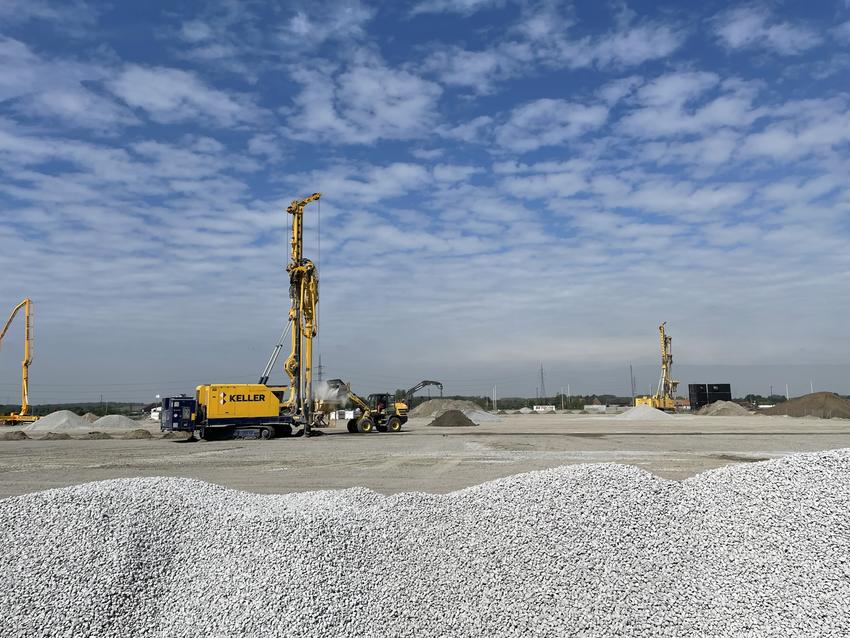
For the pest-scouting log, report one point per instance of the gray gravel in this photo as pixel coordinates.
(587, 550)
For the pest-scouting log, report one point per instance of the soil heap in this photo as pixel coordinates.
(825, 405)
(452, 419)
(723, 408)
(16, 435)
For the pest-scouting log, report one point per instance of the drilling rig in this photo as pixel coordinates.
(22, 416)
(665, 395)
(259, 410)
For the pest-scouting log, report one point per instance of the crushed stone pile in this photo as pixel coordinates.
(452, 419)
(59, 421)
(115, 422)
(435, 407)
(825, 405)
(525, 411)
(643, 413)
(88, 417)
(584, 550)
(14, 435)
(723, 408)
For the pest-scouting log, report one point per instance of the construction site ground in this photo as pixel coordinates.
(422, 458)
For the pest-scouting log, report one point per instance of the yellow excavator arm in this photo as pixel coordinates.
(26, 305)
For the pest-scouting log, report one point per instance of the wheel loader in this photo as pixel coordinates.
(377, 412)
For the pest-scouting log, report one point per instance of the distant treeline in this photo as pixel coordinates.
(98, 408)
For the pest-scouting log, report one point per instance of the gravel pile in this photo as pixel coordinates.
(452, 419)
(115, 422)
(88, 417)
(643, 413)
(757, 549)
(435, 407)
(60, 421)
(723, 408)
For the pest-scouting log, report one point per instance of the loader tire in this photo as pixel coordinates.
(352, 426)
(365, 425)
(394, 425)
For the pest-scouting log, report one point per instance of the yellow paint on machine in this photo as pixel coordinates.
(240, 400)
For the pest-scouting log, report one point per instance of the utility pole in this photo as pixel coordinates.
(632, 377)
(542, 383)
(562, 399)
(787, 397)
(812, 386)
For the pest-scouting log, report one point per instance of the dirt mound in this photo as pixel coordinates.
(643, 413)
(723, 408)
(115, 422)
(91, 436)
(452, 419)
(61, 421)
(17, 435)
(88, 417)
(825, 405)
(435, 407)
(138, 433)
(55, 436)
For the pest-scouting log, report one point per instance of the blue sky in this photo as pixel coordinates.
(504, 183)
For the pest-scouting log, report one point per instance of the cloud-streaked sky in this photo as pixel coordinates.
(505, 183)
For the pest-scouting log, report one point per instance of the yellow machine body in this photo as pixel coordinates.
(664, 397)
(239, 403)
(22, 416)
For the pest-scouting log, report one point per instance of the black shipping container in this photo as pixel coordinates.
(702, 394)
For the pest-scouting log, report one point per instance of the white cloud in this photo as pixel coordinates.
(448, 173)
(479, 70)
(548, 122)
(623, 48)
(73, 17)
(365, 103)
(752, 27)
(173, 95)
(463, 7)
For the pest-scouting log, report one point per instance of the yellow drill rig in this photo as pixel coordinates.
(22, 416)
(665, 396)
(258, 410)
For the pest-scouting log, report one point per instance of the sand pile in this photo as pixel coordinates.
(723, 408)
(60, 421)
(452, 419)
(17, 435)
(435, 407)
(115, 422)
(825, 405)
(138, 433)
(525, 411)
(88, 417)
(643, 413)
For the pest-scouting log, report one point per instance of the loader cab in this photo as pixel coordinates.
(380, 403)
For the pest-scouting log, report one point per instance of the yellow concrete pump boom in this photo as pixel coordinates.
(22, 416)
(304, 297)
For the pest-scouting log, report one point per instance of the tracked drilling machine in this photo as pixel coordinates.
(259, 410)
(665, 395)
(22, 416)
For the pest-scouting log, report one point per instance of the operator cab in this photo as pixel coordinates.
(380, 402)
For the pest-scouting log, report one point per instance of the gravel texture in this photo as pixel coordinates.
(452, 419)
(724, 408)
(59, 421)
(759, 549)
(643, 413)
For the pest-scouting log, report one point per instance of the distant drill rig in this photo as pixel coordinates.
(665, 395)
